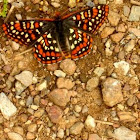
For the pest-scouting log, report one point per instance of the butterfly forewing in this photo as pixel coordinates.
(46, 49)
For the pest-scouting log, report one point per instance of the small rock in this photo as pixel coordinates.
(39, 113)
(94, 137)
(130, 46)
(18, 130)
(117, 37)
(30, 136)
(90, 123)
(92, 83)
(126, 117)
(131, 100)
(85, 109)
(14, 136)
(111, 91)
(6, 106)
(42, 85)
(59, 73)
(65, 83)
(126, 10)
(134, 14)
(78, 108)
(25, 78)
(15, 46)
(118, 1)
(29, 100)
(135, 31)
(99, 71)
(60, 133)
(59, 95)
(121, 55)
(55, 113)
(121, 27)
(52, 67)
(68, 66)
(123, 133)
(19, 87)
(76, 128)
(18, 16)
(32, 127)
(107, 31)
(135, 58)
(23, 118)
(72, 3)
(123, 66)
(113, 18)
(7, 68)
(55, 4)
(102, 1)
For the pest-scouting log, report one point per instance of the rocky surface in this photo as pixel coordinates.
(96, 97)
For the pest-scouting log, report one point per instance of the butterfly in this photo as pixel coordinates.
(67, 36)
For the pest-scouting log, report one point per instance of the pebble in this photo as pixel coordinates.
(123, 133)
(19, 87)
(102, 1)
(55, 113)
(90, 123)
(59, 73)
(123, 66)
(135, 31)
(134, 14)
(78, 108)
(39, 113)
(60, 133)
(25, 78)
(6, 106)
(30, 136)
(55, 4)
(41, 86)
(65, 83)
(72, 3)
(118, 2)
(92, 83)
(14, 136)
(29, 100)
(18, 16)
(7, 68)
(32, 127)
(121, 28)
(68, 66)
(131, 100)
(52, 67)
(18, 130)
(59, 95)
(117, 37)
(94, 137)
(112, 92)
(99, 71)
(126, 10)
(113, 18)
(84, 109)
(130, 45)
(15, 46)
(126, 116)
(23, 118)
(107, 31)
(121, 55)
(76, 128)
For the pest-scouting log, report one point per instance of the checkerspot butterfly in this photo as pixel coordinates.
(68, 36)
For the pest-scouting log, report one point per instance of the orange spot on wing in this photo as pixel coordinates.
(48, 54)
(46, 42)
(52, 54)
(28, 25)
(86, 20)
(36, 24)
(78, 17)
(48, 62)
(86, 14)
(39, 47)
(43, 54)
(35, 55)
(85, 27)
(74, 52)
(41, 51)
(33, 37)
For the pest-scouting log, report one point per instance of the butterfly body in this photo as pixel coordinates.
(68, 36)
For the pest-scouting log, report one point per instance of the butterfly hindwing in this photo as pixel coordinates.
(46, 49)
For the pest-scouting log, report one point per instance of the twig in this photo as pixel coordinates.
(104, 122)
(24, 52)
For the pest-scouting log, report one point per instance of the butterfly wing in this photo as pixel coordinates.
(26, 31)
(46, 49)
(88, 20)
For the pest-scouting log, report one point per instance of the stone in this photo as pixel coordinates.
(126, 116)
(68, 66)
(32, 127)
(39, 113)
(55, 113)
(55, 4)
(90, 123)
(112, 92)
(130, 45)
(25, 78)
(59, 96)
(78, 108)
(65, 83)
(117, 37)
(92, 83)
(99, 71)
(102, 1)
(15, 46)
(107, 31)
(94, 137)
(121, 28)
(41, 86)
(134, 14)
(118, 2)
(14, 136)
(76, 128)
(60, 133)
(19, 87)
(126, 10)
(52, 67)
(30, 136)
(123, 133)
(18, 16)
(59, 73)
(6, 106)
(113, 18)
(72, 3)
(135, 31)
(29, 100)
(123, 66)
